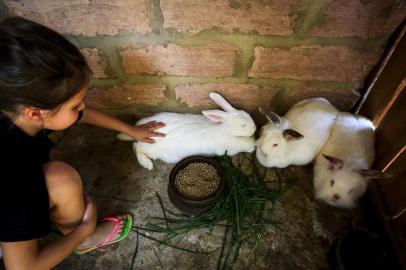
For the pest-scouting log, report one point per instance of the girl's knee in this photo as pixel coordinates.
(61, 178)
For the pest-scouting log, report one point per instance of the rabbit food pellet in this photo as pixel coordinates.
(197, 180)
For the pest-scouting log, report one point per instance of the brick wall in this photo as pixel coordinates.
(156, 55)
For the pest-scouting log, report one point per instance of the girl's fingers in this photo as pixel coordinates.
(152, 124)
(157, 134)
(90, 213)
(148, 140)
(156, 126)
(147, 124)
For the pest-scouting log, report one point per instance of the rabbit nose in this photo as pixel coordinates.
(336, 197)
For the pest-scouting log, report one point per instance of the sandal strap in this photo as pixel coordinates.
(116, 221)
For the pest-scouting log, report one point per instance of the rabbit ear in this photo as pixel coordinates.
(356, 191)
(221, 102)
(335, 163)
(368, 173)
(291, 135)
(215, 115)
(271, 116)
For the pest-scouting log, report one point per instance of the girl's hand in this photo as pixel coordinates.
(145, 131)
(89, 220)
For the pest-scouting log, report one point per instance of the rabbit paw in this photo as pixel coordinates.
(147, 164)
(144, 161)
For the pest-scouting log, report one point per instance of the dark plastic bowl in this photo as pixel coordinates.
(189, 206)
(360, 249)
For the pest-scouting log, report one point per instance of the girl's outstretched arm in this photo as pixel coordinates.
(140, 133)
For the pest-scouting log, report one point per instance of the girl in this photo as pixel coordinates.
(43, 84)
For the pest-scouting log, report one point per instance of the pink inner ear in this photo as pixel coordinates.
(334, 167)
(214, 117)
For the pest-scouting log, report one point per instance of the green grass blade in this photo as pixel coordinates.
(163, 210)
(135, 252)
(163, 242)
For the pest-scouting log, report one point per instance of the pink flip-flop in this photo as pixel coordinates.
(110, 238)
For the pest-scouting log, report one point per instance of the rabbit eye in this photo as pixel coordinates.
(275, 145)
(332, 183)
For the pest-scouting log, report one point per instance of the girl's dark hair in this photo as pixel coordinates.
(38, 66)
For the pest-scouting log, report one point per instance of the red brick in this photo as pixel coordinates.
(352, 18)
(263, 17)
(313, 62)
(210, 60)
(96, 61)
(122, 97)
(343, 99)
(244, 96)
(88, 18)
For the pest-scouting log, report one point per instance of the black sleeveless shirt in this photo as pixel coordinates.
(24, 201)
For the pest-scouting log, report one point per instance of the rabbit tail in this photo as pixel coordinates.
(125, 137)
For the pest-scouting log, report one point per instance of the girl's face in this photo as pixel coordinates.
(67, 114)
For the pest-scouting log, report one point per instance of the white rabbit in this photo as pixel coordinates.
(213, 133)
(298, 137)
(341, 169)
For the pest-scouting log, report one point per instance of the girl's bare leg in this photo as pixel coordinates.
(67, 203)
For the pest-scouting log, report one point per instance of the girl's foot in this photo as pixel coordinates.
(108, 231)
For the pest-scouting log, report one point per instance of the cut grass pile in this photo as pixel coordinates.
(244, 211)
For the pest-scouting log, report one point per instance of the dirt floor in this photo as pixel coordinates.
(112, 175)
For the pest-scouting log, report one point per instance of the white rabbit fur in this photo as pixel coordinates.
(310, 121)
(341, 169)
(213, 133)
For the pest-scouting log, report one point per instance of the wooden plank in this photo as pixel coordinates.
(390, 135)
(391, 158)
(384, 102)
(387, 82)
(389, 202)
